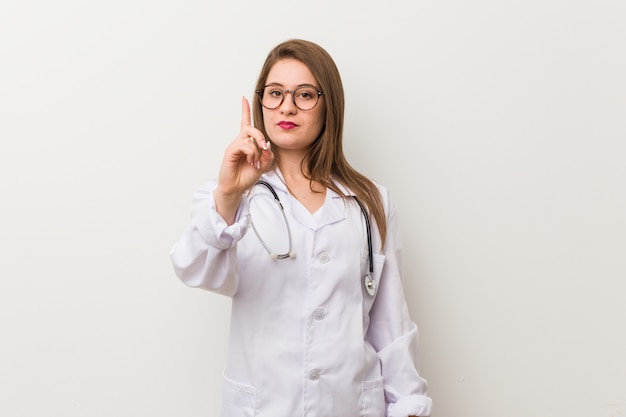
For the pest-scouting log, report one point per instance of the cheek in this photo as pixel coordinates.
(264, 114)
(321, 112)
(266, 119)
(320, 120)
(320, 127)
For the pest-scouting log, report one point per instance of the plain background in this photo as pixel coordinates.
(499, 127)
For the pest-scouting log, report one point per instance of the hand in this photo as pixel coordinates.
(245, 159)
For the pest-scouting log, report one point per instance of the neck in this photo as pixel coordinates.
(291, 168)
(295, 180)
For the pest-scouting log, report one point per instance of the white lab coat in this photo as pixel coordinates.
(306, 338)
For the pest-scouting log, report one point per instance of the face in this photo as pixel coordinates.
(288, 127)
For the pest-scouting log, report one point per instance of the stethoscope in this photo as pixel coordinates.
(368, 282)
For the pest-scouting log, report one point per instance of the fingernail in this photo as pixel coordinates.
(265, 145)
(258, 164)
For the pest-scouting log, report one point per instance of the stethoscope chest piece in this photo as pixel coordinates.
(369, 284)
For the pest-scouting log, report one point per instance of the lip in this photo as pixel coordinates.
(286, 125)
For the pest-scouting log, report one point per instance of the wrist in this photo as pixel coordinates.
(226, 204)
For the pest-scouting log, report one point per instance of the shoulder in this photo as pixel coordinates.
(346, 190)
(385, 198)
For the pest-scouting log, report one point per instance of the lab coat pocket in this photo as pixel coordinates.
(373, 398)
(238, 399)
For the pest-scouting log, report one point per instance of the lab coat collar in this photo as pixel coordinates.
(330, 213)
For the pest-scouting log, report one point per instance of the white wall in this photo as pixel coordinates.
(498, 126)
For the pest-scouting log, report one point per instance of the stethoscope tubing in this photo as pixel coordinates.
(282, 210)
(368, 228)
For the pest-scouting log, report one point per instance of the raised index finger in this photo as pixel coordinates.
(245, 113)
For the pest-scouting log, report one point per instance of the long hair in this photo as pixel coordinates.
(325, 161)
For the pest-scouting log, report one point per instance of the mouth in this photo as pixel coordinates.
(287, 125)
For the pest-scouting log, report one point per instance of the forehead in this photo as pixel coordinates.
(290, 73)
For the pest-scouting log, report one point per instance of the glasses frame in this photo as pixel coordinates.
(260, 92)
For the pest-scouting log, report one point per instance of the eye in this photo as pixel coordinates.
(306, 93)
(274, 92)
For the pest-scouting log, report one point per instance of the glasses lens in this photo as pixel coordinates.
(272, 97)
(305, 97)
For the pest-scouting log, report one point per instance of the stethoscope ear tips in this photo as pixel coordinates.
(292, 254)
(274, 255)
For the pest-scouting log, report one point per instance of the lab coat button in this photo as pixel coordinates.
(319, 314)
(323, 258)
(314, 375)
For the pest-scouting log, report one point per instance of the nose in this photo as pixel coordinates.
(288, 105)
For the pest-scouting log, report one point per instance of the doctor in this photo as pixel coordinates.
(308, 249)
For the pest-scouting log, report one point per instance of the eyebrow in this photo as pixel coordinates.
(298, 86)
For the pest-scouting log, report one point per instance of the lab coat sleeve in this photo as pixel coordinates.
(394, 336)
(205, 255)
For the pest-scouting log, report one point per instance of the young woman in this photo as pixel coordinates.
(308, 249)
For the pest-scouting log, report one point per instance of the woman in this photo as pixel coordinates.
(319, 323)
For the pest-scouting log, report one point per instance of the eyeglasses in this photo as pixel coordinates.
(304, 97)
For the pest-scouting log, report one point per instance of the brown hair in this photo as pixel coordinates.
(325, 160)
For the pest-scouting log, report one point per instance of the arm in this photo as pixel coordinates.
(394, 336)
(245, 159)
(205, 255)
